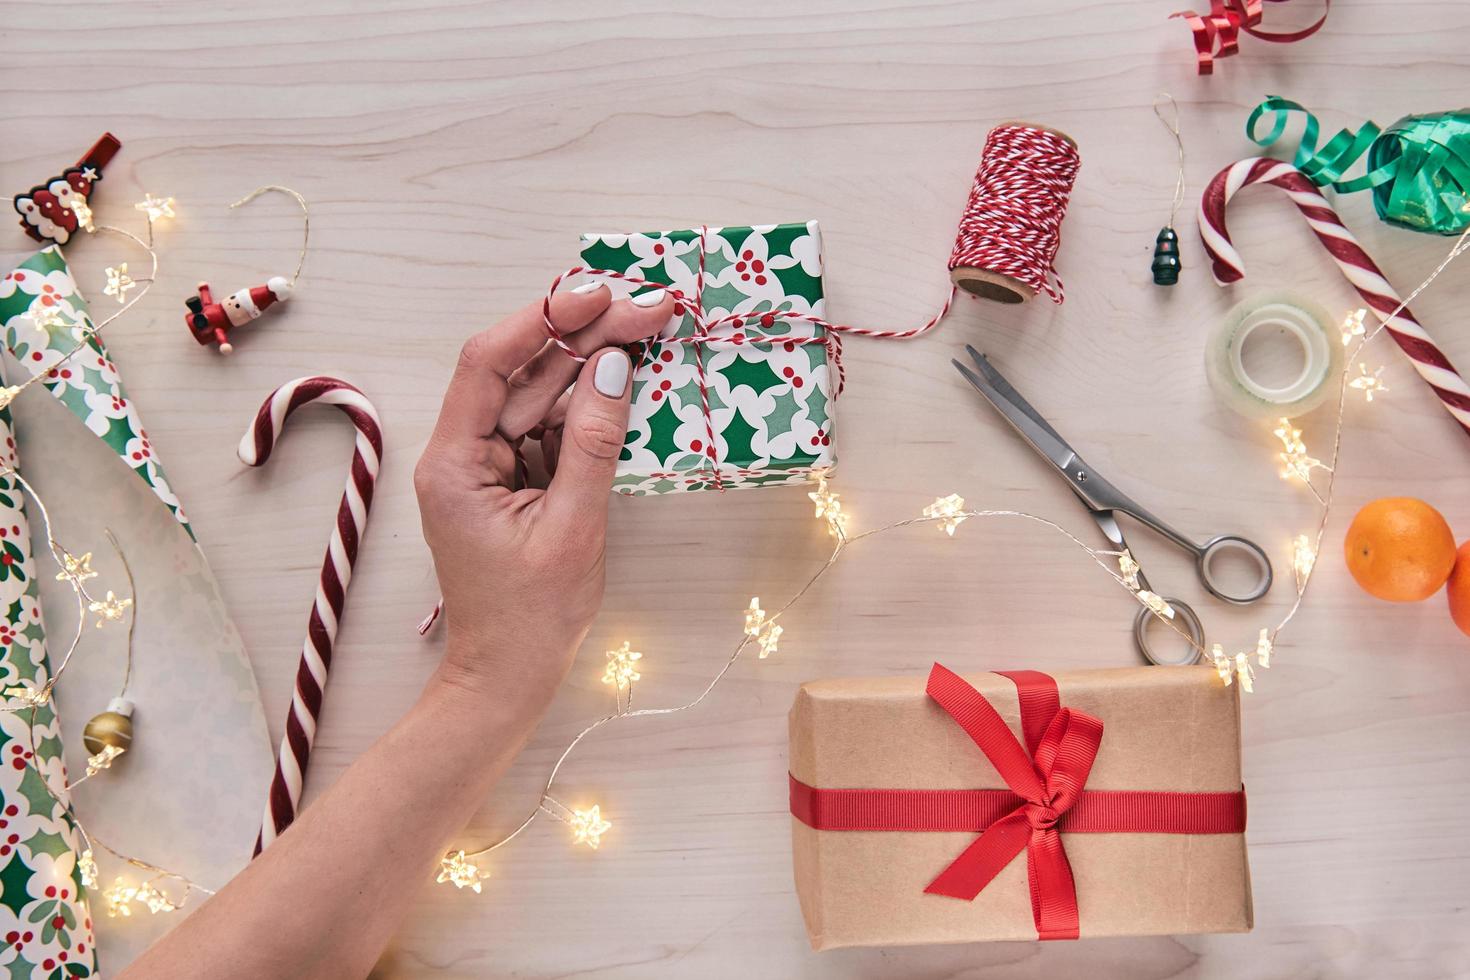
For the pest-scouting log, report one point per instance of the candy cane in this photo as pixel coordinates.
(326, 612)
(1365, 276)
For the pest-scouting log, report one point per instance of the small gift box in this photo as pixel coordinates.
(737, 391)
(1018, 805)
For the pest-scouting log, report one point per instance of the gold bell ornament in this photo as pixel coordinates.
(112, 728)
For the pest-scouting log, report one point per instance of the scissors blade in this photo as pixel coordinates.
(1018, 412)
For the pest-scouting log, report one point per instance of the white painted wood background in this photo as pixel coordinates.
(453, 152)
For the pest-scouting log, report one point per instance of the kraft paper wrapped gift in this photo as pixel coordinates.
(768, 385)
(1148, 840)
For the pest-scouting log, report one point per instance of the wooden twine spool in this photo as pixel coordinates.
(1010, 230)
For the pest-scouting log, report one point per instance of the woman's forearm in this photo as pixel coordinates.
(323, 899)
(522, 576)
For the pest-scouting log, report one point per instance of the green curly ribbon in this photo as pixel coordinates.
(1418, 168)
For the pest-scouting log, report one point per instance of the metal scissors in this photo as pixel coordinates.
(1105, 501)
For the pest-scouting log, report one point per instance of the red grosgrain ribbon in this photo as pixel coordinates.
(1046, 797)
(1217, 34)
(735, 329)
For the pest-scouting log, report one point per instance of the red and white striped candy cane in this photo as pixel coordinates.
(1431, 363)
(326, 612)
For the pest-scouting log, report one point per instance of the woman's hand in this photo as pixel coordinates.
(522, 570)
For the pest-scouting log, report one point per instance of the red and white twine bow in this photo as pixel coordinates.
(331, 592)
(733, 329)
(1217, 33)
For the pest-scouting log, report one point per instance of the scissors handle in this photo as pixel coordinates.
(1208, 554)
(1187, 620)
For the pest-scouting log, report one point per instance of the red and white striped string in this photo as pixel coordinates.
(1012, 222)
(1361, 271)
(326, 611)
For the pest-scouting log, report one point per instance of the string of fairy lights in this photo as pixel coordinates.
(163, 890)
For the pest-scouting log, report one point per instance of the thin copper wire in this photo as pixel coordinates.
(305, 219)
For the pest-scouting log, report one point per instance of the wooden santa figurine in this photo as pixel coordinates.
(211, 322)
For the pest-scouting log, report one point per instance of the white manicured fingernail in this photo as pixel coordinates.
(589, 287)
(611, 374)
(651, 298)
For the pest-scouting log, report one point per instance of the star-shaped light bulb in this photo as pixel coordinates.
(621, 669)
(1303, 559)
(1155, 603)
(1294, 455)
(83, 211)
(588, 826)
(109, 610)
(103, 760)
(1232, 669)
(1352, 326)
(155, 207)
(1128, 569)
(8, 394)
(87, 869)
(30, 697)
(75, 570)
(45, 318)
(156, 900)
(119, 897)
(769, 638)
(948, 512)
(1222, 664)
(829, 507)
(118, 282)
(755, 617)
(1369, 384)
(461, 872)
(1244, 673)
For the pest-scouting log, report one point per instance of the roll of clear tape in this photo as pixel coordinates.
(1299, 320)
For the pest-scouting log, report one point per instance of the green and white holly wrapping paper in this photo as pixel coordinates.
(44, 921)
(770, 403)
(88, 383)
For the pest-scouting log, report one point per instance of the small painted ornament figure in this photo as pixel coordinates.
(47, 210)
(211, 322)
(1166, 257)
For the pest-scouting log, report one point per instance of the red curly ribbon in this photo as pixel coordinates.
(732, 328)
(1217, 34)
(1046, 799)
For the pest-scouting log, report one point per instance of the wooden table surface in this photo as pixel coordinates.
(453, 152)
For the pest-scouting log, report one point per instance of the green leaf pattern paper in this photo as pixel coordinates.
(88, 384)
(45, 927)
(770, 404)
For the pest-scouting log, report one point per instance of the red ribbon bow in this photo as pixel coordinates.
(1046, 796)
(1217, 33)
(1063, 744)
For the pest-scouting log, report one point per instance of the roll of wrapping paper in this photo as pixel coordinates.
(1418, 168)
(43, 908)
(88, 383)
(194, 678)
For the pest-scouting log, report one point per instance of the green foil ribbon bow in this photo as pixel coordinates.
(1418, 168)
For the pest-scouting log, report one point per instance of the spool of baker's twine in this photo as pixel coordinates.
(1006, 246)
(1304, 325)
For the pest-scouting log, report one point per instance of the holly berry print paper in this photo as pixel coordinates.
(42, 316)
(44, 921)
(770, 403)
